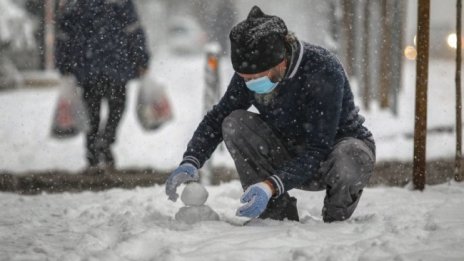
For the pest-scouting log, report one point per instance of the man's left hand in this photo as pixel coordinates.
(256, 198)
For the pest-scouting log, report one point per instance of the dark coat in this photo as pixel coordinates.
(98, 37)
(311, 109)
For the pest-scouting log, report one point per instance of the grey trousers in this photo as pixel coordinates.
(258, 153)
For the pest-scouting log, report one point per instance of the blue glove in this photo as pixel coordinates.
(184, 173)
(256, 198)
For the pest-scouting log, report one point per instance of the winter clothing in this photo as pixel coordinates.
(256, 198)
(258, 153)
(100, 37)
(310, 110)
(184, 173)
(258, 43)
(308, 133)
(102, 43)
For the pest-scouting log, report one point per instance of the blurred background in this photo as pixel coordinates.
(374, 39)
(361, 32)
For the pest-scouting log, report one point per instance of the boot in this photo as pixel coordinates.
(283, 207)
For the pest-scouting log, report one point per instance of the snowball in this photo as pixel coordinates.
(195, 214)
(194, 194)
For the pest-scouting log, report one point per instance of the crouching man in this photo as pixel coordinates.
(308, 134)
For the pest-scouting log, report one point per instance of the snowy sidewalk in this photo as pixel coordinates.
(389, 224)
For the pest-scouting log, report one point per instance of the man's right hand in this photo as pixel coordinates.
(184, 173)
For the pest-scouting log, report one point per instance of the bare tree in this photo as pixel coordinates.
(366, 74)
(385, 60)
(348, 33)
(397, 16)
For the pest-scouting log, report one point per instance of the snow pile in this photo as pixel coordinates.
(389, 224)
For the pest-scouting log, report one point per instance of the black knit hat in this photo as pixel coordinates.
(257, 43)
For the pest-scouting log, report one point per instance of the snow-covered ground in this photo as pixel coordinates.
(25, 119)
(389, 224)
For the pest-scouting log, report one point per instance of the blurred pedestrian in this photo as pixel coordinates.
(308, 134)
(102, 43)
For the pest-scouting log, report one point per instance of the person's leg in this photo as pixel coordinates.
(116, 96)
(346, 172)
(257, 153)
(92, 97)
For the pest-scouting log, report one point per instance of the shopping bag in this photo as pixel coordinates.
(153, 106)
(70, 116)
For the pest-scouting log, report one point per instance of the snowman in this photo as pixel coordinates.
(194, 197)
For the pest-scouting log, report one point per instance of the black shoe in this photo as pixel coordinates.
(283, 207)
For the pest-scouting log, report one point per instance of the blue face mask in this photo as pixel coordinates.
(261, 85)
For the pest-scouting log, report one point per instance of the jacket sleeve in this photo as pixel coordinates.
(322, 117)
(209, 132)
(137, 48)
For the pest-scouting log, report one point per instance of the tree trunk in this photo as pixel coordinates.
(385, 62)
(348, 13)
(366, 56)
(398, 12)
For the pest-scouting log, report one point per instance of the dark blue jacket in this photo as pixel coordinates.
(311, 109)
(100, 37)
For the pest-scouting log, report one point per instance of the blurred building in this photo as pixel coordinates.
(184, 27)
(16, 43)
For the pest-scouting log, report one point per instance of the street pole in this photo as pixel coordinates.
(422, 67)
(211, 95)
(49, 20)
(458, 160)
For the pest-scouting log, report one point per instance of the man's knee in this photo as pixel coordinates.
(352, 162)
(236, 123)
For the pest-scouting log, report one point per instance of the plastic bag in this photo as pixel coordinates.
(70, 117)
(153, 106)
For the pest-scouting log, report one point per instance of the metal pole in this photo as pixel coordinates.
(458, 167)
(422, 67)
(211, 94)
(49, 20)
